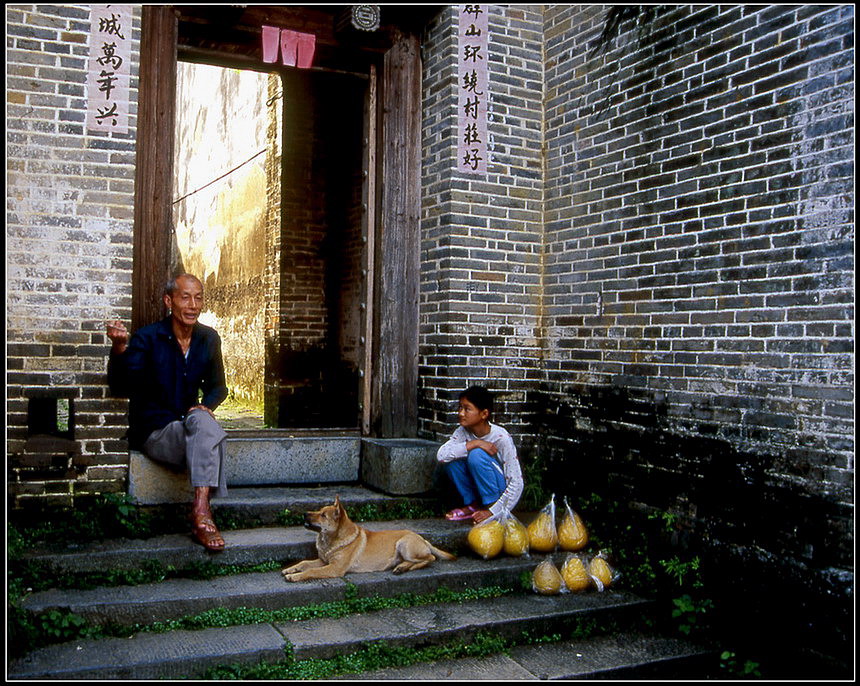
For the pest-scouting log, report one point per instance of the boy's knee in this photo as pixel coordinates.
(478, 456)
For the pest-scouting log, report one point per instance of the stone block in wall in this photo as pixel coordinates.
(399, 466)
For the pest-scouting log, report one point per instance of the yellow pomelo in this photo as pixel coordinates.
(543, 536)
(546, 579)
(572, 534)
(487, 538)
(600, 570)
(575, 577)
(516, 537)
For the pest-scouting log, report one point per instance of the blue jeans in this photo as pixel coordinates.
(478, 478)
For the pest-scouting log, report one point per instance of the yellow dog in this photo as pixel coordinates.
(343, 547)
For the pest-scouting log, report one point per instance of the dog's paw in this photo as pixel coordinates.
(297, 576)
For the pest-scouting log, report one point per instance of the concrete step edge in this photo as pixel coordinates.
(173, 598)
(435, 624)
(243, 546)
(645, 656)
(188, 653)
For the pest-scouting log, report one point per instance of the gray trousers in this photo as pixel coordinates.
(196, 444)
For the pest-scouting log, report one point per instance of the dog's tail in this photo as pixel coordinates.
(441, 554)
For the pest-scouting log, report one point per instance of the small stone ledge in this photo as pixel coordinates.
(398, 466)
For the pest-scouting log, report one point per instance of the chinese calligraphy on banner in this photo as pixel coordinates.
(473, 92)
(109, 68)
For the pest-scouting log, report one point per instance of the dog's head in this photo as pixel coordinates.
(326, 519)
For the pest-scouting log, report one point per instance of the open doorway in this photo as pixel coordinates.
(385, 65)
(268, 210)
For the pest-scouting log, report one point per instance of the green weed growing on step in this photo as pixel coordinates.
(732, 665)
(27, 631)
(371, 512)
(351, 604)
(534, 494)
(40, 576)
(92, 519)
(688, 610)
(372, 656)
(681, 571)
(381, 655)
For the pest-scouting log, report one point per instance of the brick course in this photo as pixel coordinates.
(68, 230)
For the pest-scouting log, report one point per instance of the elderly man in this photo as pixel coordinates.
(163, 368)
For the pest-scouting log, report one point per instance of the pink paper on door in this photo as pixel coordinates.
(289, 41)
(271, 41)
(307, 46)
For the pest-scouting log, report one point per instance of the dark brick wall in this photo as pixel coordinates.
(699, 284)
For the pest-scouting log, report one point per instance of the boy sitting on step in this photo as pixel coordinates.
(481, 460)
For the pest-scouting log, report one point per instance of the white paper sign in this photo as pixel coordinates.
(109, 68)
(473, 89)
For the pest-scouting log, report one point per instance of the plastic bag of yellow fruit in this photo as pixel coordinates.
(543, 536)
(516, 541)
(487, 538)
(601, 573)
(546, 579)
(575, 574)
(572, 532)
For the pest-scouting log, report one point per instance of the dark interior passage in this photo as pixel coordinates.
(314, 361)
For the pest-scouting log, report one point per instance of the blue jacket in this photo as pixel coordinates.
(160, 382)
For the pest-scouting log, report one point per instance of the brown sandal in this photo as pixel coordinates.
(209, 538)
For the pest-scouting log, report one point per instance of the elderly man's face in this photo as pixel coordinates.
(186, 302)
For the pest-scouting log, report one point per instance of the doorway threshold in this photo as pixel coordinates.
(309, 432)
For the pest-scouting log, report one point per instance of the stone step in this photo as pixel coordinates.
(189, 653)
(508, 616)
(265, 504)
(146, 603)
(243, 547)
(621, 656)
(403, 466)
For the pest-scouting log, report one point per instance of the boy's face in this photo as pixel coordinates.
(470, 416)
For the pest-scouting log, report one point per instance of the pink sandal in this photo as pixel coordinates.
(460, 514)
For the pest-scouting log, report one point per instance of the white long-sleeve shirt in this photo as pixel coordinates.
(455, 449)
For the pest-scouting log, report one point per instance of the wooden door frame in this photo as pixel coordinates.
(392, 226)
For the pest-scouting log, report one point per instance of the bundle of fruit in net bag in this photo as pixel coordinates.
(601, 573)
(575, 575)
(516, 536)
(572, 532)
(546, 579)
(543, 536)
(487, 538)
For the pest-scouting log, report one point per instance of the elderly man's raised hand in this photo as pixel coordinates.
(118, 335)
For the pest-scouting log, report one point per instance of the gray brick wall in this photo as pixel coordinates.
(68, 255)
(482, 237)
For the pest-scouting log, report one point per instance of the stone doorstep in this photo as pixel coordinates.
(396, 466)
